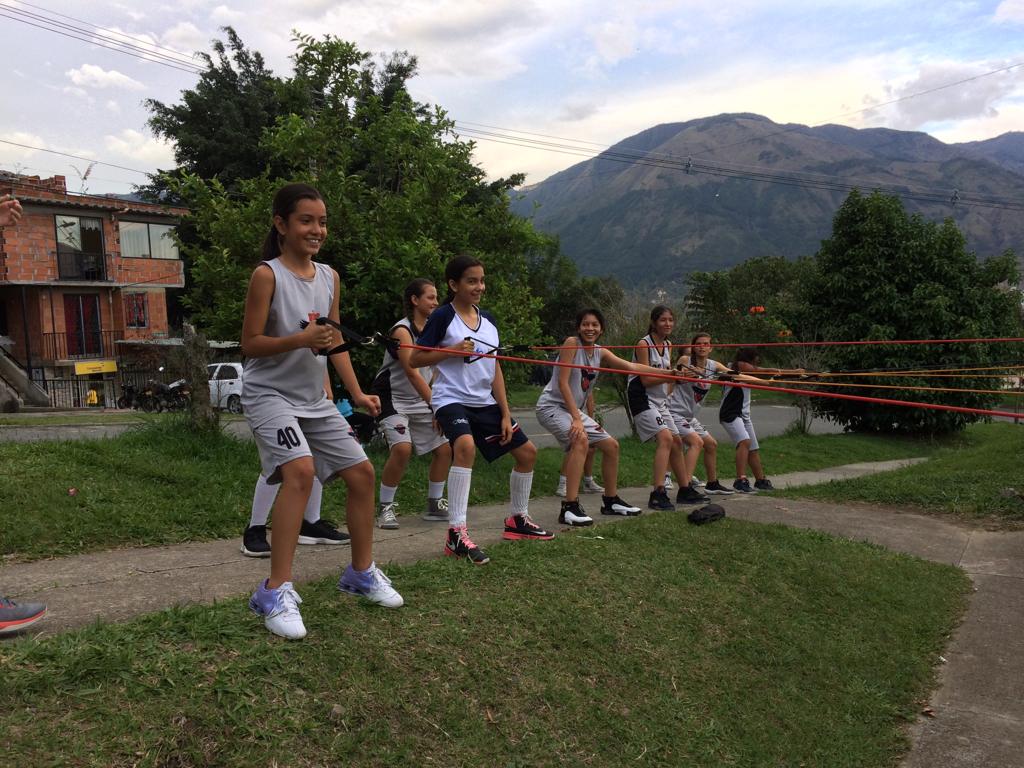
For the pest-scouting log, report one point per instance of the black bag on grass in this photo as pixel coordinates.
(706, 514)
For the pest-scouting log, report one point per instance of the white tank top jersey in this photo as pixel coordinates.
(735, 402)
(455, 379)
(392, 385)
(687, 396)
(657, 358)
(291, 383)
(581, 380)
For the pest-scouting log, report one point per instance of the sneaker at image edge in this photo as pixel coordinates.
(254, 541)
(321, 532)
(716, 488)
(386, 515)
(437, 511)
(590, 485)
(458, 544)
(280, 610)
(522, 527)
(764, 485)
(742, 485)
(573, 514)
(614, 505)
(371, 584)
(660, 501)
(15, 616)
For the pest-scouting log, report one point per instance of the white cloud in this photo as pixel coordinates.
(222, 15)
(80, 93)
(185, 37)
(15, 154)
(114, 107)
(92, 76)
(1009, 118)
(141, 148)
(613, 41)
(1011, 11)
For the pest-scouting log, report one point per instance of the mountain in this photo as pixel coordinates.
(651, 221)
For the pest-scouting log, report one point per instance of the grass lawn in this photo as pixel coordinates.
(160, 484)
(655, 643)
(975, 475)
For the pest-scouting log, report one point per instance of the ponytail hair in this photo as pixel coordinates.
(657, 312)
(455, 269)
(285, 201)
(748, 355)
(412, 291)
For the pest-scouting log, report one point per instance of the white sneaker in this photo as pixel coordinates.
(668, 481)
(696, 482)
(280, 610)
(371, 584)
(386, 517)
(590, 486)
(560, 491)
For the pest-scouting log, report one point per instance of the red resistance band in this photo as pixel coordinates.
(819, 343)
(743, 384)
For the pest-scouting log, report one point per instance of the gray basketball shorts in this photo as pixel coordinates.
(328, 439)
(415, 428)
(557, 421)
(656, 418)
(741, 429)
(686, 426)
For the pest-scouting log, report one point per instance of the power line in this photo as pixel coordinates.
(95, 39)
(76, 157)
(693, 167)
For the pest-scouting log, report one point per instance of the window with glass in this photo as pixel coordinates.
(135, 311)
(79, 234)
(140, 240)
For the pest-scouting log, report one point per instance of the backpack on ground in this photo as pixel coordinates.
(706, 514)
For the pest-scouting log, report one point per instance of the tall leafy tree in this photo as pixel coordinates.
(885, 275)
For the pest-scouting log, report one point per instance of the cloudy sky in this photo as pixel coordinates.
(589, 70)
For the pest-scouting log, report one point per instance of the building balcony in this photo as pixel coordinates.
(81, 345)
(89, 267)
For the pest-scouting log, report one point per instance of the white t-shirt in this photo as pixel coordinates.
(459, 379)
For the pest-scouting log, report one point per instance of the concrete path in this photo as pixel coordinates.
(977, 713)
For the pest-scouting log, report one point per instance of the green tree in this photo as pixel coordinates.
(402, 192)
(884, 275)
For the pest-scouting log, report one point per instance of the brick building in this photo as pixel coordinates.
(80, 276)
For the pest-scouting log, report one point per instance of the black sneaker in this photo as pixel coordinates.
(254, 541)
(764, 485)
(522, 527)
(321, 532)
(715, 487)
(458, 544)
(613, 505)
(573, 514)
(688, 495)
(742, 485)
(659, 500)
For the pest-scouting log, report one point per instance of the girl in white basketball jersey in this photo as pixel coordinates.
(647, 397)
(405, 417)
(298, 430)
(470, 404)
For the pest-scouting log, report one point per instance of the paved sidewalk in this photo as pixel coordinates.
(978, 719)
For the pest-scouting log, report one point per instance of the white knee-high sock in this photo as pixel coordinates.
(316, 495)
(520, 484)
(458, 495)
(262, 501)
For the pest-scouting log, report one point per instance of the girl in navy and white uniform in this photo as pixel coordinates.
(471, 406)
(647, 398)
(405, 417)
(298, 431)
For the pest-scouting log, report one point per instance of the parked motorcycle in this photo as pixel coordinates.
(129, 397)
(180, 395)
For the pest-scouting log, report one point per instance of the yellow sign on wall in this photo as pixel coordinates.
(95, 366)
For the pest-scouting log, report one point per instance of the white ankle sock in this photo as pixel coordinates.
(387, 493)
(435, 490)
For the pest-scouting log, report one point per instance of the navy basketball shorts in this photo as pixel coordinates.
(483, 424)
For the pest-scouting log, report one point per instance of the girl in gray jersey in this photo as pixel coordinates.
(298, 431)
(685, 403)
(406, 417)
(560, 412)
(647, 398)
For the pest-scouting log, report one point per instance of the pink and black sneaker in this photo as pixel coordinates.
(522, 527)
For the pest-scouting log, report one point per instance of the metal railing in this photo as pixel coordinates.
(83, 345)
(91, 267)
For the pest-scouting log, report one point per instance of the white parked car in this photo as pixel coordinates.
(226, 386)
